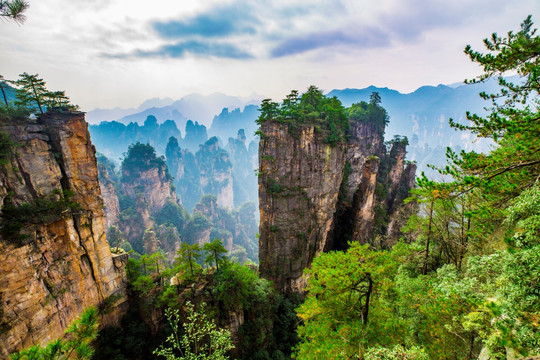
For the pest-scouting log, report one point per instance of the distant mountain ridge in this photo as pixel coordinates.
(196, 107)
(421, 115)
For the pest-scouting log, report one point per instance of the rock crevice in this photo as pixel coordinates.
(315, 197)
(64, 263)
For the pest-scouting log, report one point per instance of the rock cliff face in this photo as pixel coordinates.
(209, 171)
(111, 207)
(60, 263)
(150, 186)
(216, 172)
(299, 181)
(316, 198)
(245, 180)
(146, 189)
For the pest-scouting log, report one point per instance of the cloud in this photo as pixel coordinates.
(285, 28)
(183, 48)
(366, 38)
(218, 22)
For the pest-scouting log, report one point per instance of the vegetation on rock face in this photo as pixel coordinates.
(231, 291)
(7, 148)
(41, 210)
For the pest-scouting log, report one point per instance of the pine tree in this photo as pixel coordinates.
(14, 10)
(3, 91)
(215, 251)
(188, 256)
(32, 92)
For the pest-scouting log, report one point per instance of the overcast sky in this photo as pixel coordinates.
(108, 53)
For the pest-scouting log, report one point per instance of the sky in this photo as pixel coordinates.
(118, 53)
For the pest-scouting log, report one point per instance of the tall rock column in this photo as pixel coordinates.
(62, 264)
(299, 181)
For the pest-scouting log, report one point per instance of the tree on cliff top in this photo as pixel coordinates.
(142, 157)
(31, 92)
(187, 259)
(371, 112)
(312, 107)
(215, 252)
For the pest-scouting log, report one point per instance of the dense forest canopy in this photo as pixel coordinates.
(327, 114)
(310, 108)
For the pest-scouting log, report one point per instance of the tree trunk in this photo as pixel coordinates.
(426, 255)
(365, 310)
(37, 97)
(4, 94)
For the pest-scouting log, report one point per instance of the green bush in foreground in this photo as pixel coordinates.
(79, 335)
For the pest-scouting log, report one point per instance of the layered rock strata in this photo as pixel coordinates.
(60, 263)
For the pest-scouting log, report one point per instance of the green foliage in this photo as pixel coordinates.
(237, 286)
(14, 10)
(78, 337)
(201, 338)
(41, 210)
(142, 157)
(524, 217)
(32, 93)
(115, 237)
(273, 187)
(346, 309)
(144, 284)
(215, 252)
(187, 260)
(369, 113)
(311, 108)
(7, 148)
(398, 352)
(513, 123)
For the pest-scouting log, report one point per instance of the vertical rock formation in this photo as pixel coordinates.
(245, 180)
(216, 172)
(299, 181)
(362, 209)
(315, 198)
(59, 262)
(195, 135)
(366, 140)
(151, 185)
(185, 171)
(111, 207)
(146, 190)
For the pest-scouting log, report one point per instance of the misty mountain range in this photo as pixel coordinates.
(196, 107)
(421, 115)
